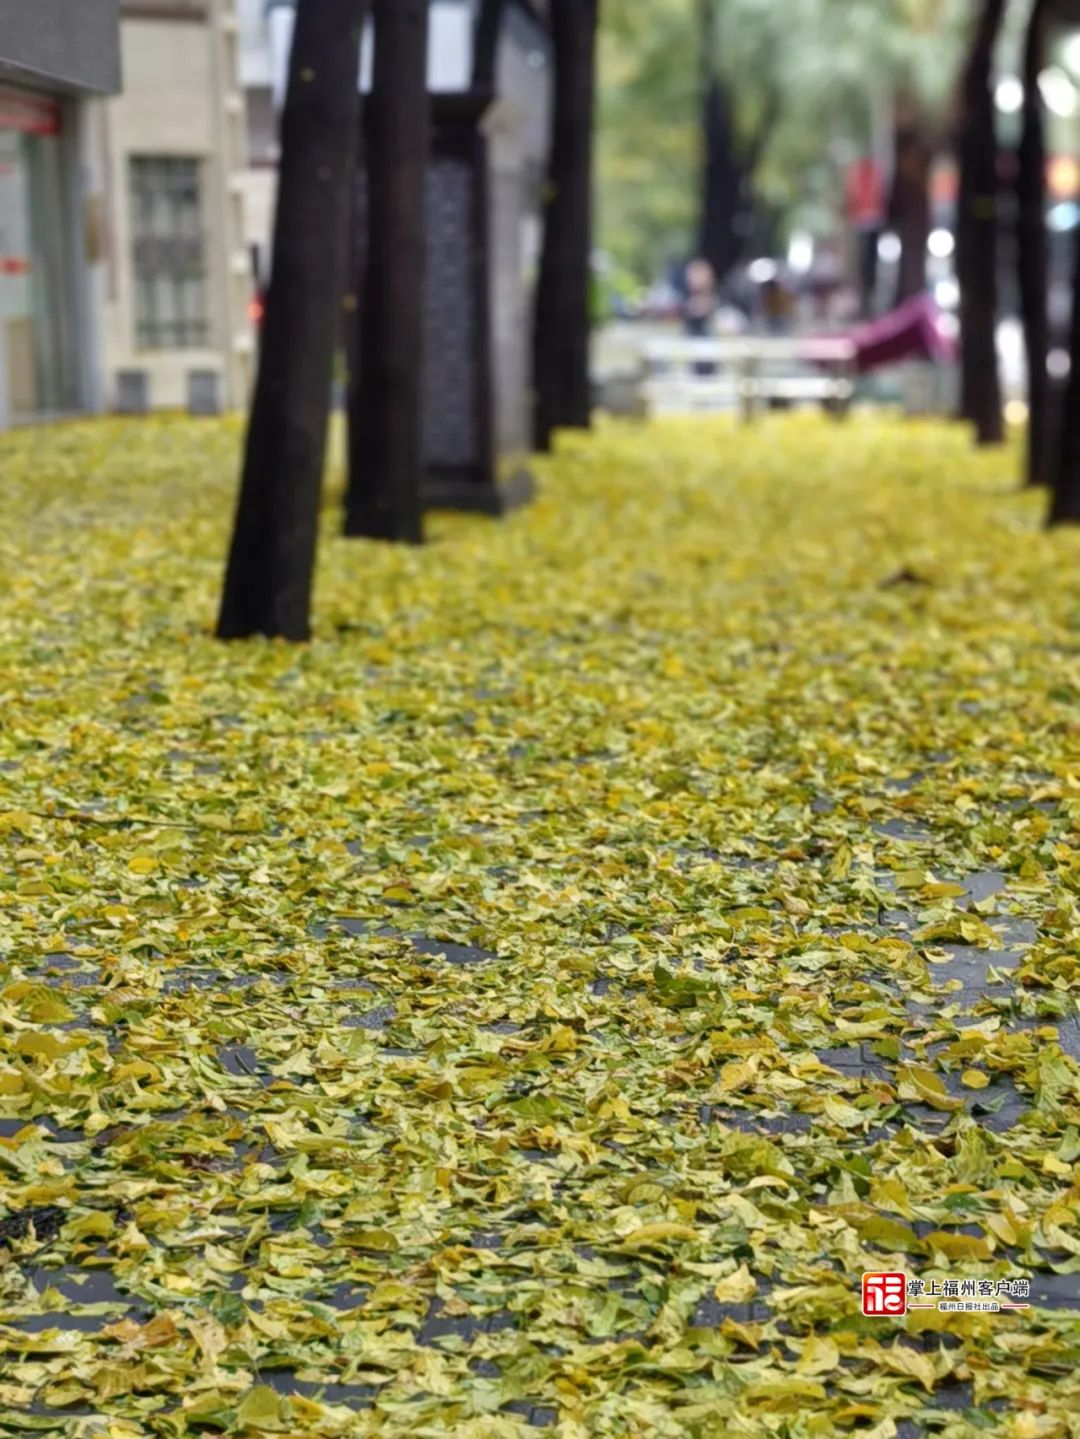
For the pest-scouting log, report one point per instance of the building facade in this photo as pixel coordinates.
(168, 155)
(138, 178)
(54, 57)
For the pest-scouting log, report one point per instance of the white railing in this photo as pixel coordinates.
(682, 374)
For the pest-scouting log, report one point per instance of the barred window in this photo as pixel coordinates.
(169, 254)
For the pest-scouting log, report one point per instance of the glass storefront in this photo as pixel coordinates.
(37, 321)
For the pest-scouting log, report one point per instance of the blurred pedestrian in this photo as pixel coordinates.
(700, 305)
(777, 306)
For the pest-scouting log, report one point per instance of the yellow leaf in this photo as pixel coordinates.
(918, 1082)
(660, 1233)
(975, 1078)
(840, 866)
(912, 1362)
(819, 1355)
(738, 1073)
(913, 879)
(958, 1246)
(943, 891)
(998, 1224)
(1053, 1165)
(263, 1408)
(842, 1113)
(736, 1288)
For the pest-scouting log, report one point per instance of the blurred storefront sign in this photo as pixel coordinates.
(53, 55)
(37, 339)
(865, 194)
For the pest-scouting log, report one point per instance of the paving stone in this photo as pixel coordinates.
(983, 884)
(903, 830)
(452, 953)
(80, 1286)
(346, 1296)
(856, 1059)
(242, 1061)
(353, 1396)
(539, 1416)
(371, 1019)
(1055, 1291)
(439, 1325)
(748, 1121)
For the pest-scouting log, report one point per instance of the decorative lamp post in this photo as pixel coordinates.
(458, 387)
(280, 23)
(481, 198)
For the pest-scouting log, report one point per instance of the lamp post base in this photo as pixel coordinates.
(447, 492)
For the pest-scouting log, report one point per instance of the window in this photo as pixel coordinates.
(169, 254)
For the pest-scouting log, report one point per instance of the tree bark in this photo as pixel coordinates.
(486, 44)
(385, 461)
(1033, 251)
(909, 205)
(1065, 508)
(561, 323)
(271, 563)
(976, 238)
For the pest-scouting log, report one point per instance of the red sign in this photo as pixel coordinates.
(884, 1296)
(28, 114)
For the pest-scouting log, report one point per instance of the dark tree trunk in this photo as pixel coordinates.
(909, 206)
(719, 240)
(561, 323)
(1033, 251)
(385, 462)
(271, 562)
(720, 237)
(1065, 508)
(729, 218)
(976, 237)
(486, 44)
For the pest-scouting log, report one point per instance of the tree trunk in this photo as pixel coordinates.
(722, 176)
(385, 461)
(909, 206)
(1033, 251)
(720, 240)
(486, 44)
(271, 562)
(1065, 508)
(561, 323)
(976, 238)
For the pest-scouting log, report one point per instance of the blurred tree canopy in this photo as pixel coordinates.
(832, 71)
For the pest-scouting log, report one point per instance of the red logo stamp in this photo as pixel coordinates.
(884, 1295)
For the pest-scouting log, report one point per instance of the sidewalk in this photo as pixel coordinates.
(535, 1005)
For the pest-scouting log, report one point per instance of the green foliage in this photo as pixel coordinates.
(832, 68)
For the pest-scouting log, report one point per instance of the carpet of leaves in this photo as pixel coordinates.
(532, 1006)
